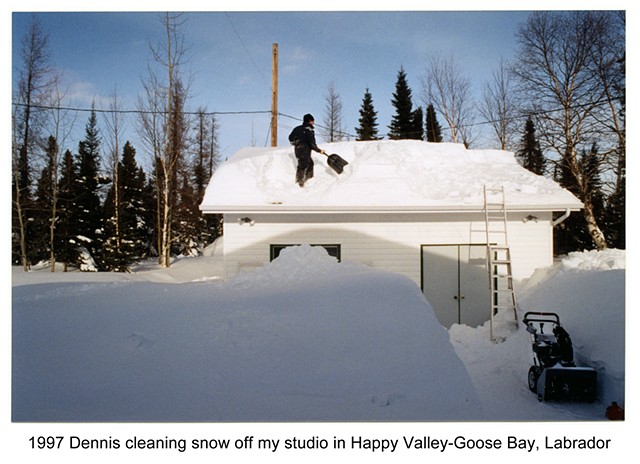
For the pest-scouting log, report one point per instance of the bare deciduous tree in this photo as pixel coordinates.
(449, 91)
(608, 64)
(114, 120)
(332, 129)
(498, 106)
(162, 126)
(61, 126)
(555, 69)
(35, 82)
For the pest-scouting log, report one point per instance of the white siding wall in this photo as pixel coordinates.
(390, 241)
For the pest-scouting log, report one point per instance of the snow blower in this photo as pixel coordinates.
(554, 375)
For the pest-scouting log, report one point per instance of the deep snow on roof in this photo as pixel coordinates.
(400, 175)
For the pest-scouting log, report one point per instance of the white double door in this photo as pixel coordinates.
(456, 283)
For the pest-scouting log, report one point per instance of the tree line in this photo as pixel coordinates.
(559, 105)
(97, 209)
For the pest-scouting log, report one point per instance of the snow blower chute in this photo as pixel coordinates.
(554, 375)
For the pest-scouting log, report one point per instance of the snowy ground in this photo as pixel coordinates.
(303, 339)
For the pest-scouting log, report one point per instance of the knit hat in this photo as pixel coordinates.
(308, 118)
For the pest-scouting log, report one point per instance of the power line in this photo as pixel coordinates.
(115, 111)
(339, 132)
(244, 46)
(522, 115)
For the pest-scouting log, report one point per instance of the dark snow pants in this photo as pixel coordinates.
(304, 171)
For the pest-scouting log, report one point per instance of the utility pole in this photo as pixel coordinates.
(274, 96)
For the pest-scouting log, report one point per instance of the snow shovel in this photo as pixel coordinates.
(335, 162)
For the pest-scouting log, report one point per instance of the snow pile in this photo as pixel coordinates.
(595, 260)
(297, 345)
(298, 265)
(380, 174)
(304, 338)
(587, 291)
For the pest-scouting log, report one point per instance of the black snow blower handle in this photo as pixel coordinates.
(537, 316)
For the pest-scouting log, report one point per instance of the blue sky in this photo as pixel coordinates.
(229, 59)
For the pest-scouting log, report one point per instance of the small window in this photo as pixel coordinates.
(333, 250)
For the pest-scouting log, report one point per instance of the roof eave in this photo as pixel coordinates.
(284, 209)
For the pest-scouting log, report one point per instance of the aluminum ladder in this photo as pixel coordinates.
(502, 292)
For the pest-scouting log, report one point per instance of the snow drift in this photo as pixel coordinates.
(587, 291)
(304, 338)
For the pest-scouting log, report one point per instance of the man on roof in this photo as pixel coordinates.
(303, 139)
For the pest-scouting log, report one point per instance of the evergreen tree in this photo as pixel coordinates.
(615, 215)
(433, 129)
(529, 154)
(201, 141)
(150, 216)
(402, 122)
(123, 249)
(207, 160)
(591, 168)
(189, 225)
(368, 129)
(188, 218)
(89, 212)
(573, 233)
(616, 203)
(418, 127)
(66, 243)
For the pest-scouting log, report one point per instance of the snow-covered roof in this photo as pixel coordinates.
(394, 176)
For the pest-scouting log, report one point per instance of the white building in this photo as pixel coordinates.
(410, 207)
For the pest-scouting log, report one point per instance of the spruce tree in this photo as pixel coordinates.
(368, 129)
(134, 222)
(89, 212)
(123, 249)
(207, 160)
(66, 243)
(591, 167)
(433, 129)
(529, 154)
(615, 215)
(150, 216)
(616, 205)
(573, 233)
(417, 131)
(188, 219)
(402, 122)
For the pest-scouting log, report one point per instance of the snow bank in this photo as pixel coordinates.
(594, 260)
(587, 291)
(305, 338)
(380, 174)
(299, 265)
